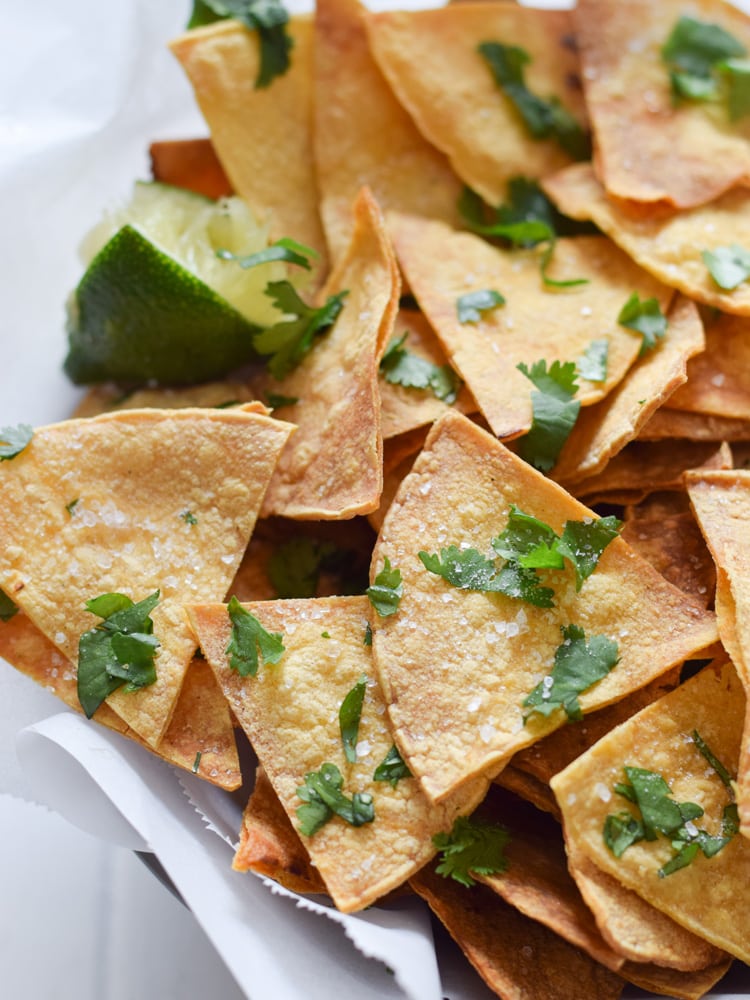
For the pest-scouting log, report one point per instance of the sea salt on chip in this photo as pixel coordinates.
(133, 502)
(456, 665)
(290, 714)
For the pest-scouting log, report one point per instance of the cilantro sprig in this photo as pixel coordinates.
(386, 591)
(472, 846)
(13, 440)
(469, 307)
(392, 768)
(728, 266)
(248, 639)
(285, 249)
(592, 364)
(287, 342)
(400, 367)
(707, 63)
(119, 651)
(323, 798)
(350, 714)
(645, 317)
(554, 411)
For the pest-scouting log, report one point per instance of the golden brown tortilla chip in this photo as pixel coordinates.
(528, 788)
(671, 983)
(430, 59)
(262, 135)
(456, 665)
(332, 467)
(605, 428)
(98, 506)
(719, 378)
(367, 140)
(669, 423)
(109, 397)
(290, 714)
(442, 265)
(669, 245)
(191, 164)
(709, 895)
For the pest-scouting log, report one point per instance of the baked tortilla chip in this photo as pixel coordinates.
(290, 714)
(109, 397)
(669, 423)
(442, 265)
(456, 665)
(709, 895)
(649, 146)
(669, 245)
(101, 506)
(262, 136)
(430, 59)
(719, 378)
(602, 430)
(374, 143)
(332, 467)
(191, 164)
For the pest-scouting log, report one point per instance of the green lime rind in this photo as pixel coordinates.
(138, 316)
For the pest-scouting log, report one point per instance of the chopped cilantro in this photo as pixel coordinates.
(469, 307)
(197, 762)
(284, 249)
(286, 343)
(645, 317)
(387, 590)
(325, 635)
(70, 507)
(8, 608)
(13, 440)
(268, 17)
(189, 517)
(401, 367)
(705, 750)
(470, 570)
(554, 411)
(737, 75)
(119, 651)
(275, 400)
(693, 53)
(592, 364)
(471, 846)
(728, 266)
(248, 639)
(582, 543)
(350, 713)
(544, 119)
(392, 768)
(322, 799)
(367, 641)
(622, 830)
(578, 666)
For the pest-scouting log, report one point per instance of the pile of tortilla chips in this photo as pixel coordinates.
(401, 453)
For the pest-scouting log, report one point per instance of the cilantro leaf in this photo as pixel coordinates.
(470, 570)
(724, 775)
(387, 590)
(8, 608)
(737, 75)
(189, 517)
(469, 307)
(401, 367)
(287, 342)
(578, 666)
(660, 812)
(119, 651)
(275, 400)
(350, 713)
(248, 639)
(645, 317)
(621, 830)
(582, 542)
(13, 440)
(323, 799)
(529, 541)
(471, 846)
(728, 266)
(284, 249)
(554, 412)
(268, 17)
(592, 364)
(693, 51)
(70, 507)
(367, 640)
(392, 768)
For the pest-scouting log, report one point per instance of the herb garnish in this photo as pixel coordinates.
(275, 400)
(386, 592)
(728, 266)
(400, 367)
(471, 846)
(8, 608)
(645, 317)
(248, 639)
(469, 307)
(470, 570)
(697, 53)
(285, 249)
(392, 768)
(189, 517)
(592, 364)
(323, 799)
(70, 507)
(578, 666)
(286, 343)
(13, 440)
(367, 641)
(119, 651)
(268, 17)
(554, 412)
(350, 713)
(197, 762)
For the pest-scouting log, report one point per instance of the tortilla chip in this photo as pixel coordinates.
(456, 665)
(516, 957)
(269, 844)
(262, 135)
(289, 712)
(430, 59)
(441, 265)
(709, 896)
(669, 423)
(109, 397)
(648, 146)
(668, 245)
(133, 476)
(191, 164)
(380, 147)
(719, 378)
(528, 788)
(201, 729)
(332, 468)
(601, 431)
(671, 983)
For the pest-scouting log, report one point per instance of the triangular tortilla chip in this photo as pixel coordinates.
(191, 164)
(200, 737)
(669, 423)
(456, 665)
(332, 467)
(709, 895)
(290, 714)
(430, 58)
(719, 378)
(262, 135)
(528, 788)
(605, 428)
(442, 265)
(367, 140)
(649, 146)
(98, 506)
(668, 245)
